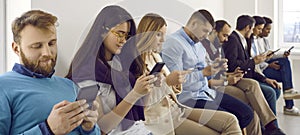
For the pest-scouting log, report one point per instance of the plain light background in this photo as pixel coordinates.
(76, 16)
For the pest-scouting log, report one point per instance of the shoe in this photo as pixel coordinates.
(291, 94)
(293, 111)
(275, 131)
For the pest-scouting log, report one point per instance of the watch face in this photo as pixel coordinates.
(225, 82)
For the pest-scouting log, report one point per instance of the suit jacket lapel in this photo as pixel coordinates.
(241, 44)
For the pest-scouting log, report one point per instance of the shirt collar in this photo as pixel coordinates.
(240, 35)
(217, 42)
(186, 37)
(243, 39)
(24, 71)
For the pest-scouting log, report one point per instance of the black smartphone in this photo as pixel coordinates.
(89, 93)
(220, 64)
(273, 52)
(157, 68)
(290, 49)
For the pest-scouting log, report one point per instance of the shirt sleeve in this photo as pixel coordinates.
(173, 55)
(5, 113)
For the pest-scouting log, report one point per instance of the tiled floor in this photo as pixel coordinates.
(289, 124)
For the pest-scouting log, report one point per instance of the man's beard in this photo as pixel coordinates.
(34, 66)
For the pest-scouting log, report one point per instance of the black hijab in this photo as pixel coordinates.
(89, 62)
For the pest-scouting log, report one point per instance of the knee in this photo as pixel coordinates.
(253, 84)
(230, 118)
(284, 60)
(246, 118)
(278, 92)
(270, 94)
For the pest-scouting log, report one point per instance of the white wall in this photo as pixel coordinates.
(14, 8)
(235, 8)
(2, 37)
(269, 8)
(75, 16)
(215, 7)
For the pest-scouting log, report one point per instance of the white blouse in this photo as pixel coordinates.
(108, 98)
(108, 102)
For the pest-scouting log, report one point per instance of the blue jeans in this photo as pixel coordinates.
(227, 103)
(271, 95)
(284, 75)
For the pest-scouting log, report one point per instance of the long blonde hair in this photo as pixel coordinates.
(148, 26)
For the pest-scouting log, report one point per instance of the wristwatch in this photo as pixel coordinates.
(225, 83)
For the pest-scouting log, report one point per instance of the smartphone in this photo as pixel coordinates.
(273, 52)
(220, 64)
(157, 68)
(290, 49)
(89, 93)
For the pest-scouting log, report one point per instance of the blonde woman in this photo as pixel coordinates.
(163, 113)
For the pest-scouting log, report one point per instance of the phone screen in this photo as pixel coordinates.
(157, 68)
(89, 93)
(273, 52)
(220, 64)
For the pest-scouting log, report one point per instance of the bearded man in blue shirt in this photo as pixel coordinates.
(34, 101)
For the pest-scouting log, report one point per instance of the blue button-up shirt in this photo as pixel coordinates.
(180, 52)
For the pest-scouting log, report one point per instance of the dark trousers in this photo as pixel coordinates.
(284, 75)
(227, 103)
(271, 95)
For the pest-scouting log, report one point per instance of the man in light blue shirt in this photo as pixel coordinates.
(183, 51)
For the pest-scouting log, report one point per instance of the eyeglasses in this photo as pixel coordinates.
(120, 35)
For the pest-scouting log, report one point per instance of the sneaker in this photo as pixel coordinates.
(293, 111)
(291, 94)
(275, 131)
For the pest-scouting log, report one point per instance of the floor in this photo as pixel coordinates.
(289, 124)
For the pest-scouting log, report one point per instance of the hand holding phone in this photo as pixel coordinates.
(290, 49)
(157, 68)
(89, 93)
(273, 52)
(287, 53)
(221, 63)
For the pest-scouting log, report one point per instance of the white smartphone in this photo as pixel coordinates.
(89, 93)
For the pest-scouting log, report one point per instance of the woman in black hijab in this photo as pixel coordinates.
(105, 60)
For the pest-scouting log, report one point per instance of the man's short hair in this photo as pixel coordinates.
(36, 18)
(268, 20)
(220, 24)
(259, 20)
(243, 21)
(204, 16)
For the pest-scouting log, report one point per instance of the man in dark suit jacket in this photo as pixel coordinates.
(238, 55)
